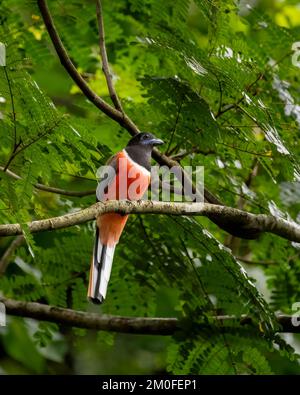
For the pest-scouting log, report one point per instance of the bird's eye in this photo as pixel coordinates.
(146, 136)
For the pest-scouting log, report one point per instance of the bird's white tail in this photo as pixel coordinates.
(100, 270)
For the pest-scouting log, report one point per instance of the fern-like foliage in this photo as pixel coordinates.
(221, 94)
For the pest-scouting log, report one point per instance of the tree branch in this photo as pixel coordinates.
(249, 221)
(120, 324)
(80, 319)
(105, 65)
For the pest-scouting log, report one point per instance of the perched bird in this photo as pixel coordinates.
(127, 177)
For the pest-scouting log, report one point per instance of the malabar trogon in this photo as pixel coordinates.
(127, 176)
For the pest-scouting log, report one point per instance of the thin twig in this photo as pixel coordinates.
(16, 145)
(243, 150)
(194, 150)
(234, 105)
(6, 257)
(105, 66)
(175, 126)
(247, 89)
(162, 185)
(74, 74)
(12, 107)
(20, 148)
(50, 189)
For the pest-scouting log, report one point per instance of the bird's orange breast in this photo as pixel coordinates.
(130, 182)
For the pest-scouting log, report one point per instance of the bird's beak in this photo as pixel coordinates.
(156, 141)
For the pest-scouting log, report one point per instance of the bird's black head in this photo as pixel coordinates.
(140, 148)
(144, 139)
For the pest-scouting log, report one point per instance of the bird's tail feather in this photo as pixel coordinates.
(100, 270)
